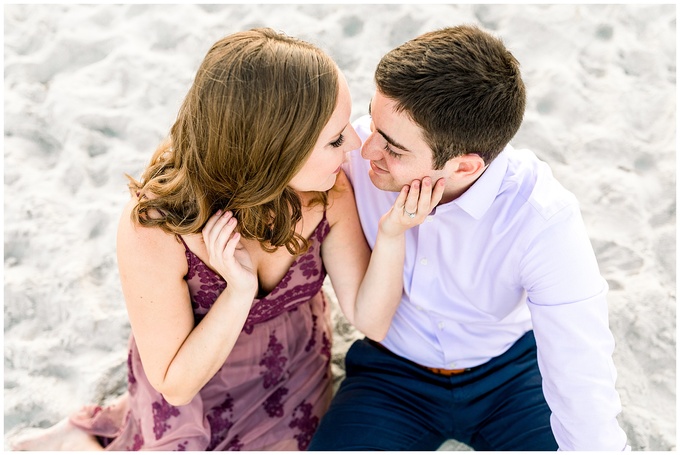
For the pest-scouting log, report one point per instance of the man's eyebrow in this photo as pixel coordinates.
(392, 141)
(387, 138)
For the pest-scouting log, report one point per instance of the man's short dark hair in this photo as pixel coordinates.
(461, 86)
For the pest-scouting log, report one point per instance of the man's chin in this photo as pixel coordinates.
(382, 183)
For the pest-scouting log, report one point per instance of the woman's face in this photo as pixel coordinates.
(336, 139)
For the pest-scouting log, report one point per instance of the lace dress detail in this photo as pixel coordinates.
(269, 394)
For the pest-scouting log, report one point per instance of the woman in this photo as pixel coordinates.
(223, 249)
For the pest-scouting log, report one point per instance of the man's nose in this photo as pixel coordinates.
(371, 150)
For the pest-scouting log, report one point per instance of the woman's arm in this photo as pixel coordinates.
(369, 285)
(178, 358)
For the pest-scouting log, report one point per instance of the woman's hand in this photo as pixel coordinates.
(227, 255)
(413, 205)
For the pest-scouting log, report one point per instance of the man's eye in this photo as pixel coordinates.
(391, 152)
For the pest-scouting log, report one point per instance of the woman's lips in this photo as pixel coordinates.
(378, 170)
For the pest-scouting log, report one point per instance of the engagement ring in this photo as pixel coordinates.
(410, 215)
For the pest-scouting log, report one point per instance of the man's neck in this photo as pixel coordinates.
(455, 189)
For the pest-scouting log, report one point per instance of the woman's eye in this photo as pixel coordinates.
(338, 142)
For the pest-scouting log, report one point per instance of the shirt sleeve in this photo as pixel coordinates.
(566, 296)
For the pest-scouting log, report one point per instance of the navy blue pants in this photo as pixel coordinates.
(388, 403)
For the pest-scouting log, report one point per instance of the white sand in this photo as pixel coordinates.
(90, 90)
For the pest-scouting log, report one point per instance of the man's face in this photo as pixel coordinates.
(395, 148)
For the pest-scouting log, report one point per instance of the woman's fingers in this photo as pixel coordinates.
(210, 224)
(222, 232)
(411, 204)
(217, 232)
(437, 193)
(227, 255)
(224, 236)
(430, 195)
(401, 198)
(422, 197)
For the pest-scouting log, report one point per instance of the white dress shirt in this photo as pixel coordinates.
(509, 255)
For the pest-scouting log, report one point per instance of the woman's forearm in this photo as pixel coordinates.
(206, 348)
(381, 289)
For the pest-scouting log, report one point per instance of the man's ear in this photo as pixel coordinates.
(468, 165)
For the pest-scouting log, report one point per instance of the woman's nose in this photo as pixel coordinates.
(353, 139)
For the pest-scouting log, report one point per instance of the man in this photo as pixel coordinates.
(501, 339)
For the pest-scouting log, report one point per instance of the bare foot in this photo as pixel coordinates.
(62, 436)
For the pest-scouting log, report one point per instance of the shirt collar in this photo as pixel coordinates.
(479, 197)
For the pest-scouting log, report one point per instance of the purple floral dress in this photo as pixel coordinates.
(269, 394)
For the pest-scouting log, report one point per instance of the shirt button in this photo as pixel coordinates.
(423, 261)
(429, 219)
(440, 325)
(452, 365)
(419, 308)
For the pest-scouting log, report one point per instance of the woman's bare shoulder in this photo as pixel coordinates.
(340, 199)
(147, 244)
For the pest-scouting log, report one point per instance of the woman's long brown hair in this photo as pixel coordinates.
(249, 122)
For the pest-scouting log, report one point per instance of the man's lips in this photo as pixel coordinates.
(378, 170)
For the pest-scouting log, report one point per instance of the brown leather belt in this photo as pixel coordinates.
(439, 371)
(444, 372)
(448, 373)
